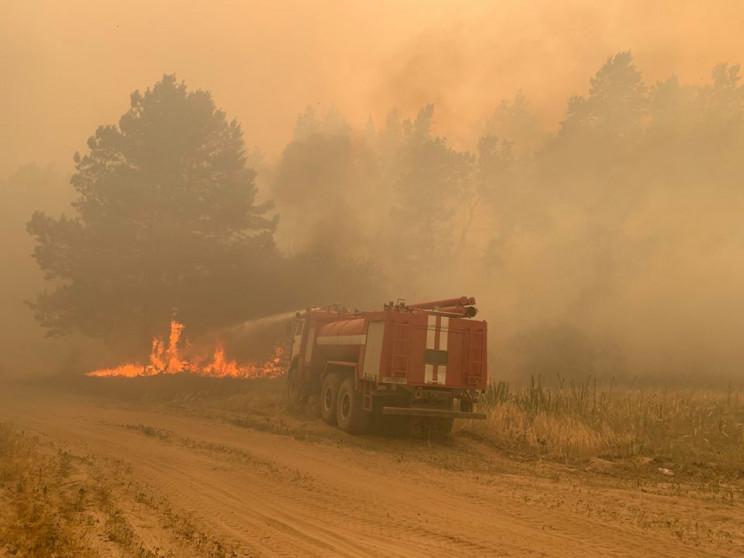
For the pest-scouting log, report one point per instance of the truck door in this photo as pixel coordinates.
(297, 339)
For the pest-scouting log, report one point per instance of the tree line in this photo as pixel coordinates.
(561, 224)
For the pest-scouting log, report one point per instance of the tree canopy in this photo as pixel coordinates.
(165, 221)
(630, 209)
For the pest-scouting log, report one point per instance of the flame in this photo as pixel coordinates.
(167, 359)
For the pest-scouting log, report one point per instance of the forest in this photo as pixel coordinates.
(608, 244)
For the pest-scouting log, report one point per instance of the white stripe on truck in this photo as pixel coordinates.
(373, 350)
(428, 373)
(444, 330)
(431, 330)
(443, 333)
(342, 340)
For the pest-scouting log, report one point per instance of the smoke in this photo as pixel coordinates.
(489, 51)
(628, 246)
(68, 67)
(610, 248)
(252, 340)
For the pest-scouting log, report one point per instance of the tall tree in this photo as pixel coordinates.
(324, 186)
(601, 130)
(165, 220)
(315, 179)
(432, 185)
(514, 121)
(615, 104)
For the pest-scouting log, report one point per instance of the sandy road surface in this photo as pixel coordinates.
(266, 494)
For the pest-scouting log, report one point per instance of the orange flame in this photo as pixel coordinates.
(168, 360)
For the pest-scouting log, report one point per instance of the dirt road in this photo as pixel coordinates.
(274, 493)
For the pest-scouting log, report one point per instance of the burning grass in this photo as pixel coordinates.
(680, 430)
(170, 358)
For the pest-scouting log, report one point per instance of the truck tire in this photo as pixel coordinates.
(294, 389)
(350, 415)
(329, 398)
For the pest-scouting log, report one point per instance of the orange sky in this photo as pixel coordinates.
(67, 67)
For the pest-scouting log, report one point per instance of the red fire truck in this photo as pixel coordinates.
(423, 360)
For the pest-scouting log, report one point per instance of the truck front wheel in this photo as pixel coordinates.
(329, 398)
(350, 415)
(294, 394)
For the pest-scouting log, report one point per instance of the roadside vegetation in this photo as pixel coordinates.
(54, 503)
(676, 430)
(682, 430)
(38, 506)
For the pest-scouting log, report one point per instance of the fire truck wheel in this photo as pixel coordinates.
(329, 398)
(350, 415)
(294, 394)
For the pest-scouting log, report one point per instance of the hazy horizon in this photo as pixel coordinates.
(70, 67)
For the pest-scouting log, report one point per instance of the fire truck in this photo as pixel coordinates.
(424, 360)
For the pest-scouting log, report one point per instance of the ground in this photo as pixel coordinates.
(136, 477)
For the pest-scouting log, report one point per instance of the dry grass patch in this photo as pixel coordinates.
(37, 510)
(692, 429)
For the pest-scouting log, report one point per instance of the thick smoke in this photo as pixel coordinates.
(593, 209)
(68, 66)
(610, 248)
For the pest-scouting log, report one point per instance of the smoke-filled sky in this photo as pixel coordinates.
(665, 277)
(67, 67)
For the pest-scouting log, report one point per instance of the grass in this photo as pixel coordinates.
(679, 429)
(54, 503)
(149, 431)
(172, 388)
(37, 509)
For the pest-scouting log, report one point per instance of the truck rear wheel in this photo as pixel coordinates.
(329, 398)
(350, 415)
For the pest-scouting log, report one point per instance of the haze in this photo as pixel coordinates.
(68, 67)
(630, 277)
